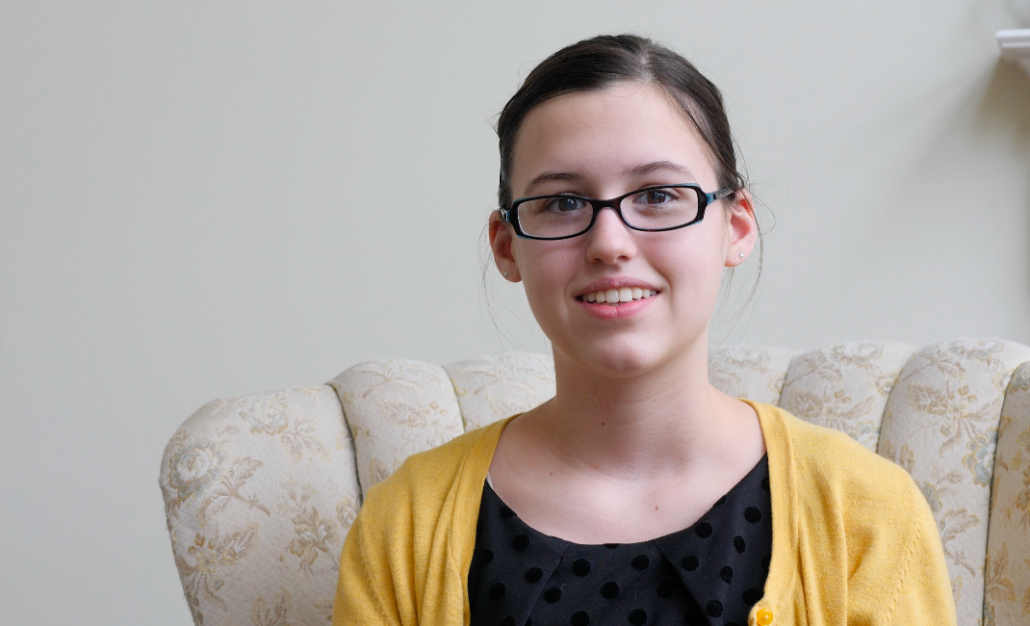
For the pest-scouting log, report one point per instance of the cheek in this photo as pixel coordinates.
(693, 267)
(546, 271)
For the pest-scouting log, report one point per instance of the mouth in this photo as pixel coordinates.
(614, 297)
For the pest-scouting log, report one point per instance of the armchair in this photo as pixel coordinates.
(260, 490)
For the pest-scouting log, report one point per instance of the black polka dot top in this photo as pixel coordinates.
(709, 574)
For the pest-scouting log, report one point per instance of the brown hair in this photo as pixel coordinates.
(602, 61)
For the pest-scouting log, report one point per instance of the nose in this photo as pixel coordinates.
(610, 241)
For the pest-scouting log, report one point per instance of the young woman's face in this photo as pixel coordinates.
(603, 144)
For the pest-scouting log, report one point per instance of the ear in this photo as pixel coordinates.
(741, 229)
(501, 239)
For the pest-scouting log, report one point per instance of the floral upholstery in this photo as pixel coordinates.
(494, 387)
(941, 424)
(1007, 573)
(395, 408)
(845, 386)
(259, 493)
(261, 490)
(750, 372)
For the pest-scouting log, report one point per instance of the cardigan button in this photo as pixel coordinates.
(764, 617)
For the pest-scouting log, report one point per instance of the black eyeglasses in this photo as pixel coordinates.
(651, 209)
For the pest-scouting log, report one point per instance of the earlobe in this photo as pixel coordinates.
(501, 240)
(742, 231)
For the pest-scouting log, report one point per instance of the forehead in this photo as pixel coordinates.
(601, 135)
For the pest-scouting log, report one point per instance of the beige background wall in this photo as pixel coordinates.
(209, 199)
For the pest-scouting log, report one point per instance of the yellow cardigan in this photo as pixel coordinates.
(854, 541)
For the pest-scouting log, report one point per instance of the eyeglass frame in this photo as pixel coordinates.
(511, 216)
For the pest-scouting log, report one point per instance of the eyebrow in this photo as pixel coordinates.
(654, 166)
(639, 170)
(549, 176)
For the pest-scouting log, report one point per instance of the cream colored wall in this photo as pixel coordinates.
(209, 199)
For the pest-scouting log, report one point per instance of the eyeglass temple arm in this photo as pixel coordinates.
(718, 195)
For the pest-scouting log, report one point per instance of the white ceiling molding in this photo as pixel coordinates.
(1015, 46)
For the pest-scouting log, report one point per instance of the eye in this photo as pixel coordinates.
(663, 199)
(564, 204)
(656, 197)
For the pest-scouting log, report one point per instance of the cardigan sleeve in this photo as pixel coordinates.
(922, 593)
(910, 582)
(405, 560)
(376, 583)
(363, 592)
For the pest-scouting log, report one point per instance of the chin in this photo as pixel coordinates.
(616, 359)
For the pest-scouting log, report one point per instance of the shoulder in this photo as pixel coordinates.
(426, 478)
(832, 468)
(863, 520)
(391, 555)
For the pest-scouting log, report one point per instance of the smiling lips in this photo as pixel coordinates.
(613, 297)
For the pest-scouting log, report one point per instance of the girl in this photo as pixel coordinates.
(639, 494)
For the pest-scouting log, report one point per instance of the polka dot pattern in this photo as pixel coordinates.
(534, 574)
(714, 608)
(726, 574)
(497, 591)
(710, 573)
(581, 567)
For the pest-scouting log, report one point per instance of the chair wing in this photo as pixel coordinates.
(259, 493)
(941, 424)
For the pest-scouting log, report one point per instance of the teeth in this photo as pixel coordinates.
(615, 296)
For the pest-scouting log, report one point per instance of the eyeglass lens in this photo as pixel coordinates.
(561, 216)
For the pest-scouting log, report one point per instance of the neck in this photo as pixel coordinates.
(664, 421)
